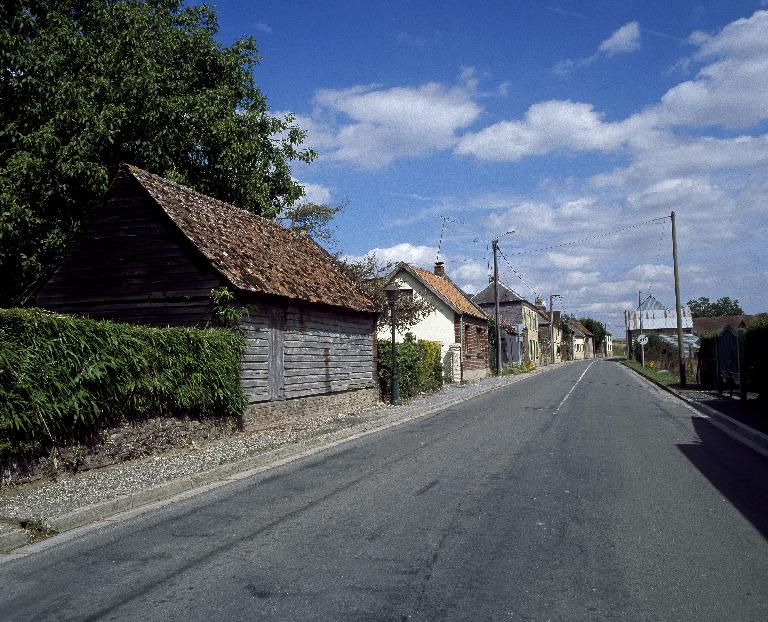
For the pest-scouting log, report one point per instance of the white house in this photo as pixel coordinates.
(455, 321)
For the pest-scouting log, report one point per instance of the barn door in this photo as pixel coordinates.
(276, 353)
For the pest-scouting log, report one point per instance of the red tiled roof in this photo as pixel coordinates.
(703, 325)
(576, 325)
(252, 253)
(448, 290)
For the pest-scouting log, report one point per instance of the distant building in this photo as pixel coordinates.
(518, 313)
(655, 318)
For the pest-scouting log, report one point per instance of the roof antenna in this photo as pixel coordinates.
(440, 243)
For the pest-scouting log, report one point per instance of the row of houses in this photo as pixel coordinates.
(153, 251)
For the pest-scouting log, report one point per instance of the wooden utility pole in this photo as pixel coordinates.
(640, 310)
(495, 244)
(678, 306)
(552, 327)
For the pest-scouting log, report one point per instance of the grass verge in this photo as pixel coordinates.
(661, 376)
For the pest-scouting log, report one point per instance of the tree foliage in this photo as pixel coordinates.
(597, 329)
(313, 219)
(89, 84)
(370, 273)
(703, 307)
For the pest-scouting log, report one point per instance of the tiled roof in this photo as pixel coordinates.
(252, 253)
(506, 294)
(576, 325)
(447, 289)
(703, 325)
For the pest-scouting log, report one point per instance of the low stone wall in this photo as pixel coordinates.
(476, 374)
(264, 414)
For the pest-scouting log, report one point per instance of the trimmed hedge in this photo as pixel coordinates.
(419, 366)
(62, 376)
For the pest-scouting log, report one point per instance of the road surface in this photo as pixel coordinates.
(579, 494)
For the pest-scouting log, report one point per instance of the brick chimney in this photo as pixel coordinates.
(439, 268)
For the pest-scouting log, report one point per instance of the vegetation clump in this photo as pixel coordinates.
(419, 368)
(64, 376)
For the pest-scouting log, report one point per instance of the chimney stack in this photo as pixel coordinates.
(439, 268)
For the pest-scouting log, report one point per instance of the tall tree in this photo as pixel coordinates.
(702, 307)
(597, 329)
(88, 84)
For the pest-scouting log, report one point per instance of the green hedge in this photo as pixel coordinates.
(756, 357)
(419, 366)
(61, 376)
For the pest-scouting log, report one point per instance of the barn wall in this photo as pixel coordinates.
(129, 265)
(301, 350)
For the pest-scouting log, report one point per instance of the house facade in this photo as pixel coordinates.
(517, 312)
(152, 252)
(582, 341)
(455, 321)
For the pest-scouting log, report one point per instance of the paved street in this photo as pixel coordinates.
(583, 493)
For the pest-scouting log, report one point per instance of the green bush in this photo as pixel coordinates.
(755, 362)
(431, 376)
(61, 376)
(418, 366)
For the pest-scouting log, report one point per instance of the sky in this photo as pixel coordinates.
(580, 126)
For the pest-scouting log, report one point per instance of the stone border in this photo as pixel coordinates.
(146, 500)
(754, 439)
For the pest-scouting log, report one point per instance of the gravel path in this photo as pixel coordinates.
(49, 499)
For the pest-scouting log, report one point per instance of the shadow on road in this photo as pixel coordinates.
(739, 473)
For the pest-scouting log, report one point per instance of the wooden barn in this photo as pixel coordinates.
(152, 252)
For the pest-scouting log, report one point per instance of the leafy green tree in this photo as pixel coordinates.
(88, 84)
(313, 219)
(597, 329)
(370, 272)
(702, 307)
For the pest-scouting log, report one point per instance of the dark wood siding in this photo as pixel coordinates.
(327, 351)
(321, 351)
(131, 265)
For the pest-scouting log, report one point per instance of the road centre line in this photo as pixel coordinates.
(557, 410)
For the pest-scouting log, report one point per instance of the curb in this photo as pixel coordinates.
(754, 439)
(234, 471)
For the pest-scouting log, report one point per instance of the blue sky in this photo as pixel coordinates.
(564, 121)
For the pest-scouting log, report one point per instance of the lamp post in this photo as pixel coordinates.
(393, 291)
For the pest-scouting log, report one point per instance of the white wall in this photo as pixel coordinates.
(437, 326)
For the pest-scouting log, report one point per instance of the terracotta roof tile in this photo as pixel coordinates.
(254, 254)
(450, 291)
(703, 325)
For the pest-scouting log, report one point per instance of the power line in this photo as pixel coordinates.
(519, 276)
(591, 237)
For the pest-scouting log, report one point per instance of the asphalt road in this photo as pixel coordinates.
(602, 499)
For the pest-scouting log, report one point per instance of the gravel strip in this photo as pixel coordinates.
(54, 498)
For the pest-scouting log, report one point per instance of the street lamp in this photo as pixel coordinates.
(393, 291)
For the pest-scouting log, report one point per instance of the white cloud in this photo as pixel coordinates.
(577, 277)
(570, 262)
(316, 193)
(411, 253)
(625, 39)
(370, 126)
(643, 272)
(731, 90)
(546, 127)
(262, 27)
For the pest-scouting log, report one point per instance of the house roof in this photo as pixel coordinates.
(578, 326)
(253, 253)
(506, 294)
(445, 289)
(651, 304)
(703, 325)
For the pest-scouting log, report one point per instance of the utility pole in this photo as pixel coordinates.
(495, 244)
(640, 311)
(678, 306)
(552, 327)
